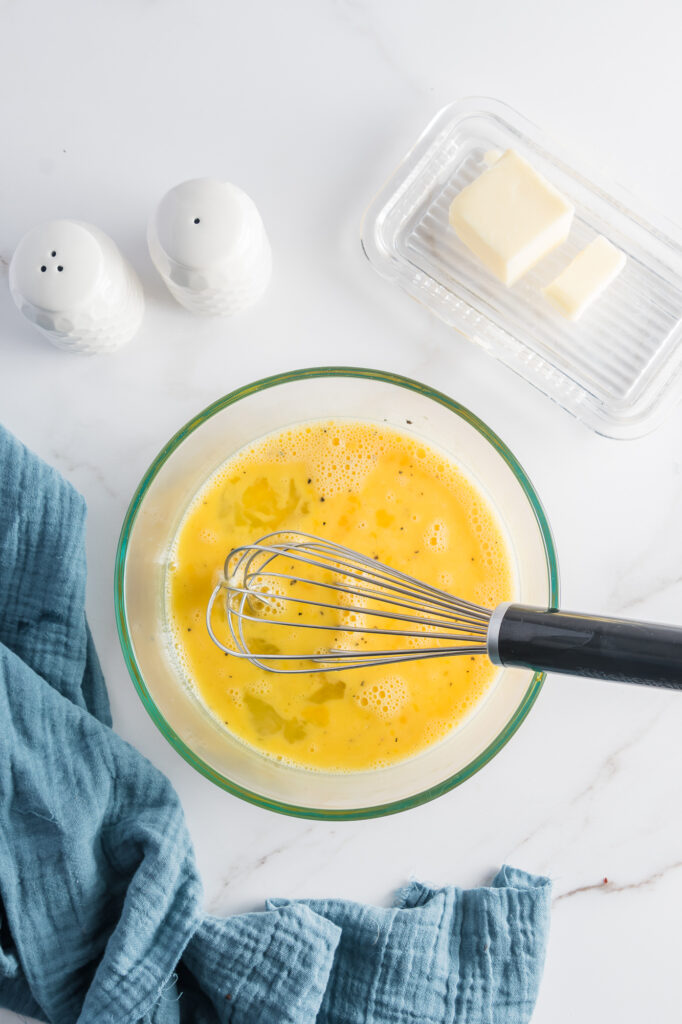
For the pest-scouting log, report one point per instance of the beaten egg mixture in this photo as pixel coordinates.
(386, 494)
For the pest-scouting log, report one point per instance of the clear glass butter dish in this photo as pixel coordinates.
(619, 368)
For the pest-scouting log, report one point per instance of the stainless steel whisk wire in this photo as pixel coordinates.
(463, 623)
(542, 639)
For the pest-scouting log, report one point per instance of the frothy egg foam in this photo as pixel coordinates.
(386, 494)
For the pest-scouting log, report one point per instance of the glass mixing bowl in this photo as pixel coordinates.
(150, 526)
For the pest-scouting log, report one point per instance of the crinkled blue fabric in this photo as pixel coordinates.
(100, 901)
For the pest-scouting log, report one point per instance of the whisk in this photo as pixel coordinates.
(329, 608)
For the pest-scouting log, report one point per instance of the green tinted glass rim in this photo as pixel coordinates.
(126, 641)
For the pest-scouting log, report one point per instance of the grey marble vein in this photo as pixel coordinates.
(656, 590)
(356, 15)
(606, 886)
(72, 466)
(249, 867)
(605, 773)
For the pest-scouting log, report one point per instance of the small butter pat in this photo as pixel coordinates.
(511, 217)
(492, 156)
(585, 278)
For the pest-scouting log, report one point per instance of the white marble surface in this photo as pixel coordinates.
(308, 106)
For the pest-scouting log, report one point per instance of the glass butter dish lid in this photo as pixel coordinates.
(618, 368)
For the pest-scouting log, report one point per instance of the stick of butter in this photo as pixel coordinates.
(511, 217)
(585, 278)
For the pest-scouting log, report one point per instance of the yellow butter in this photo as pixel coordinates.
(511, 217)
(585, 278)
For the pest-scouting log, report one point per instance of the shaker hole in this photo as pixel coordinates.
(43, 269)
(60, 269)
(197, 220)
(53, 253)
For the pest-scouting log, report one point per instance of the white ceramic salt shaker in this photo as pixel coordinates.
(71, 281)
(208, 243)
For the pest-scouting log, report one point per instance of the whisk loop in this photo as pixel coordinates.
(305, 588)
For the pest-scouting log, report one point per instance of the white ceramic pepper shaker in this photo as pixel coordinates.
(208, 243)
(71, 281)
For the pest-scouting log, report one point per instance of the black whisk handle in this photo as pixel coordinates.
(586, 645)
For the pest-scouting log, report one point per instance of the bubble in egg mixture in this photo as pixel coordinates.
(209, 536)
(235, 695)
(385, 697)
(437, 536)
(261, 687)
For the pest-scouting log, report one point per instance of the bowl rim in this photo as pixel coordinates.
(325, 814)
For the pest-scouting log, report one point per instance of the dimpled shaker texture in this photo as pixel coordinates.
(109, 311)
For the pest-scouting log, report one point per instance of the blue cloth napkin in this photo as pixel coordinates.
(100, 901)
